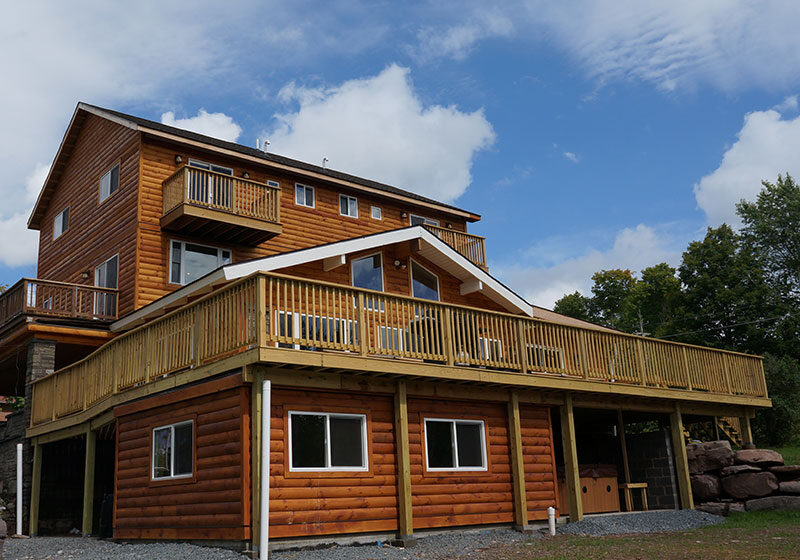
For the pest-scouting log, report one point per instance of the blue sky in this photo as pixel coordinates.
(588, 134)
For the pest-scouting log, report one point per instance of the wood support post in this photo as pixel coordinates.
(686, 371)
(584, 350)
(640, 361)
(681, 462)
(522, 345)
(447, 336)
(623, 443)
(363, 343)
(406, 521)
(747, 432)
(256, 389)
(88, 481)
(36, 486)
(571, 470)
(261, 311)
(517, 463)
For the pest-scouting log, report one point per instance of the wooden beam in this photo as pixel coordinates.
(517, 463)
(88, 482)
(681, 462)
(623, 443)
(571, 470)
(406, 521)
(36, 486)
(255, 459)
(470, 286)
(747, 432)
(333, 262)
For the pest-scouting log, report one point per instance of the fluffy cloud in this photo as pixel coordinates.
(216, 125)
(18, 245)
(633, 248)
(767, 144)
(379, 128)
(457, 41)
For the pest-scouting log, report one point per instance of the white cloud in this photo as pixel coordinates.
(787, 105)
(674, 43)
(571, 156)
(378, 128)
(633, 248)
(457, 41)
(767, 144)
(216, 125)
(18, 245)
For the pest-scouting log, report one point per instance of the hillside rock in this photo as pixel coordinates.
(774, 503)
(758, 457)
(750, 485)
(786, 472)
(791, 487)
(714, 508)
(738, 469)
(706, 486)
(709, 456)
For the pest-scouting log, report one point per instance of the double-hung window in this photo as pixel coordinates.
(304, 195)
(106, 275)
(320, 441)
(348, 206)
(455, 445)
(173, 451)
(109, 183)
(61, 223)
(190, 261)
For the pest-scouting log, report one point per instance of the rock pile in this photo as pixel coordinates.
(725, 482)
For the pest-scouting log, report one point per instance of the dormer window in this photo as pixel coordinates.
(61, 223)
(109, 183)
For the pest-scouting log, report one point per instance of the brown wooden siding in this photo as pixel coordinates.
(302, 227)
(304, 504)
(97, 231)
(215, 504)
(537, 449)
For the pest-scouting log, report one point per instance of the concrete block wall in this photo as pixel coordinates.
(651, 460)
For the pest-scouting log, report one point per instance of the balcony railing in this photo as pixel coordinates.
(226, 193)
(57, 299)
(275, 311)
(471, 246)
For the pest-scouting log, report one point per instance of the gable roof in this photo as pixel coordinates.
(230, 148)
(431, 247)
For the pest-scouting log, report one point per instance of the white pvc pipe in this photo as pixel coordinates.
(266, 407)
(19, 488)
(551, 520)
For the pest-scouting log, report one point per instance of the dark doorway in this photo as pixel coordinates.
(104, 481)
(61, 496)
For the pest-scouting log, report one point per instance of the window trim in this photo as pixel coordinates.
(314, 190)
(352, 276)
(484, 444)
(348, 198)
(63, 229)
(100, 198)
(372, 212)
(429, 271)
(183, 257)
(433, 221)
(174, 479)
(365, 447)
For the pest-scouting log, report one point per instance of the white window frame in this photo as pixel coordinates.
(376, 212)
(429, 271)
(349, 199)
(454, 433)
(345, 326)
(172, 427)
(328, 467)
(59, 230)
(307, 188)
(425, 220)
(101, 300)
(108, 174)
(183, 257)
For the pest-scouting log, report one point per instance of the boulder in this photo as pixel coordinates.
(750, 485)
(736, 507)
(738, 469)
(714, 508)
(774, 503)
(709, 456)
(786, 472)
(758, 457)
(706, 486)
(791, 487)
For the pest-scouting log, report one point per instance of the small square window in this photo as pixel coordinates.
(348, 206)
(61, 223)
(376, 213)
(455, 445)
(109, 183)
(304, 195)
(173, 451)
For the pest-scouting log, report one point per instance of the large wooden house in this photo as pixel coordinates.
(408, 388)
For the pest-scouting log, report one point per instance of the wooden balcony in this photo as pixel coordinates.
(47, 298)
(218, 206)
(471, 246)
(276, 319)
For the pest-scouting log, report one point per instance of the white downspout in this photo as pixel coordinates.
(19, 488)
(266, 409)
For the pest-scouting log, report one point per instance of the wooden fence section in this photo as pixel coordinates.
(272, 310)
(471, 246)
(235, 195)
(57, 299)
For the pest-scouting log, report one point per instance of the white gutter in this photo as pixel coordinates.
(266, 414)
(19, 489)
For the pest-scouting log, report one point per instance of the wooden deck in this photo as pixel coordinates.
(277, 319)
(471, 246)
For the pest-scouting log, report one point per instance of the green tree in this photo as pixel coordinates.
(779, 425)
(611, 293)
(655, 301)
(575, 305)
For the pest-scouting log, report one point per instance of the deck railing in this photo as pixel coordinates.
(57, 299)
(235, 195)
(271, 310)
(471, 246)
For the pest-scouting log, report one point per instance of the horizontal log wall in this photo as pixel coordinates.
(537, 448)
(216, 505)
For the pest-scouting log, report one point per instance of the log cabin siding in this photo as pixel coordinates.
(302, 227)
(537, 449)
(215, 503)
(306, 504)
(97, 231)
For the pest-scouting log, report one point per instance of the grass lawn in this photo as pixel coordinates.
(791, 455)
(746, 536)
